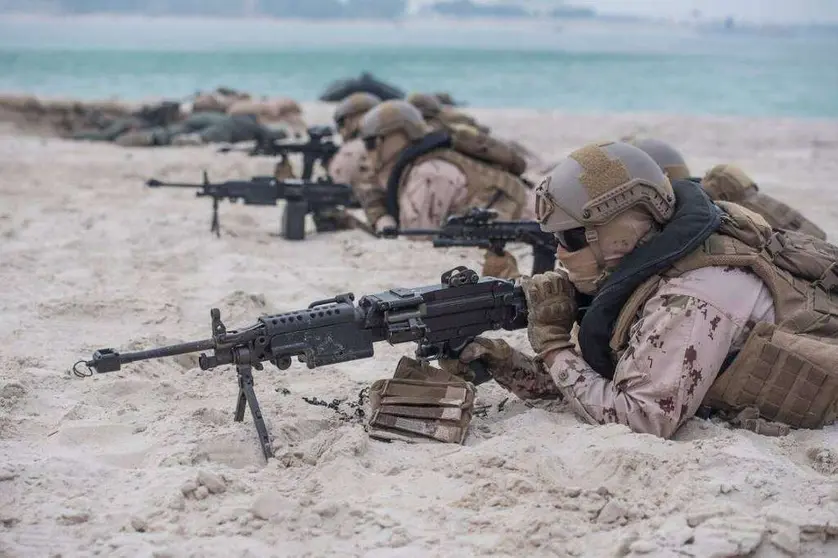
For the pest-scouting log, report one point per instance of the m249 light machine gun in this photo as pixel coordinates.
(320, 147)
(478, 227)
(301, 197)
(441, 318)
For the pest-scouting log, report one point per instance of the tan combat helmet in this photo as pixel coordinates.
(667, 157)
(353, 106)
(428, 105)
(390, 117)
(598, 182)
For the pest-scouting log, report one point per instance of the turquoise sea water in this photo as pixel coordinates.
(579, 67)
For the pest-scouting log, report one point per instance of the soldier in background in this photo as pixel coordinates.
(729, 183)
(423, 178)
(440, 117)
(350, 165)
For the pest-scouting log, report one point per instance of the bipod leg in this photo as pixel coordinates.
(247, 397)
(215, 226)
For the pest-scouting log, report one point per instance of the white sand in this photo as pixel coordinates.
(91, 258)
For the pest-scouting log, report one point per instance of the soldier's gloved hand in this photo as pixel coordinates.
(494, 354)
(385, 224)
(551, 305)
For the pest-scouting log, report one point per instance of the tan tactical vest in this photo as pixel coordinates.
(487, 186)
(787, 370)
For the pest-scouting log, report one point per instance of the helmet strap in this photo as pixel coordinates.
(593, 241)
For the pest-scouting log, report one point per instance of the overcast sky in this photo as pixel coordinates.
(755, 10)
(795, 11)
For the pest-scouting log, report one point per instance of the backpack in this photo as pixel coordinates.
(483, 147)
(805, 257)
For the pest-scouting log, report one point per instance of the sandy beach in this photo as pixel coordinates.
(147, 462)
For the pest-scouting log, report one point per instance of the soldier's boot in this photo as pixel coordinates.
(420, 403)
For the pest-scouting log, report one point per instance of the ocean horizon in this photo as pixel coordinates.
(569, 66)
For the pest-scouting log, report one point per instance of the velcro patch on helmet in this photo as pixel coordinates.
(601, 172)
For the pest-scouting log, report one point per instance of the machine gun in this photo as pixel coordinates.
(478, 227)
(301, 197)
(320, 147)
(441, 318)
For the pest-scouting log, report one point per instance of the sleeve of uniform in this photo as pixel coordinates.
(432, 188)
(675, 352)
(344, 166)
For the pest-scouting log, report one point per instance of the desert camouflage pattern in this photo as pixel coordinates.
(475, 184)
(523, 375)
(431, 191)
(678, 343)
(351, 165)
(788, 367)
(730, 183)
(668, 158)
(420, 403)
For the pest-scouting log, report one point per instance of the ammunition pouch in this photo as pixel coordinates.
(420, 404)
(790, 378)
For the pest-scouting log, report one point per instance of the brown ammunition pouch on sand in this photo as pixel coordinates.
(420, 404)
(790, 378)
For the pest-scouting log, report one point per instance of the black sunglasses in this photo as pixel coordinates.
(572, 239)
(371, 143)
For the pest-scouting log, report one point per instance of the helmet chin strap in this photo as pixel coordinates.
(592, 237)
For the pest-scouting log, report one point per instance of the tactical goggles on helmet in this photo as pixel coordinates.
(572, 240)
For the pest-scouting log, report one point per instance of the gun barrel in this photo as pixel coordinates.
(154, 183)
(109, 360)
(171, 350)
(417, 232)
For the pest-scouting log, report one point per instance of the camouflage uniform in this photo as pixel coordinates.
(350, 165)
(432, 190)
(685, 333)
(696, 303)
